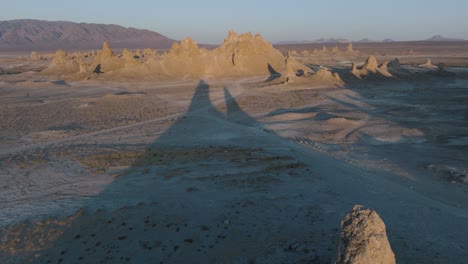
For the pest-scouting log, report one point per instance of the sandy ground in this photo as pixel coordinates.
(231, 170)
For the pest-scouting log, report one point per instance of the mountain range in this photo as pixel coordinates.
(30, 34)
(364, 40)
(441, 38)
(40, 35)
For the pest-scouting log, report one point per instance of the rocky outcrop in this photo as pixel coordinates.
(428, 64)
(326, 77)
(336, 51)
(106, 53)
(393, 69)
(363, 239)
(324, 49)
(137, 54)
(149, 53)
(187, 48)
(384, 69)
(184, 60)
(129, 58)
(247, 54)
(34, 56)
(293, 68)
(322, 52)
(244, 54)
(350, 50)
(60, 57)
(294, 53)
(306, 53)
(371, 64)
(62, 65)
(106, 61)
(371, 68)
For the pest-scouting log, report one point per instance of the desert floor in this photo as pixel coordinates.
(230, 170)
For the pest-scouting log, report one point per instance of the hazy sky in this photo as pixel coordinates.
(207, 21)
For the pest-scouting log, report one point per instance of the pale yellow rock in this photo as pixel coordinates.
(106, 52)
(294, 53)
(336, 51)
(34, 56)
(371, 64)
(306, 53)
(129, 58)
(363, 239)
(350, 50)
(149, 52)
(324, 49)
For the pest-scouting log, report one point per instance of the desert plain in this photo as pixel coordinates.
(163, 159)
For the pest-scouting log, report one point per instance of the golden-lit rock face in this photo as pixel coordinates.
(239, 55)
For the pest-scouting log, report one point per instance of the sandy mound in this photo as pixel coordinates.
(364, 239)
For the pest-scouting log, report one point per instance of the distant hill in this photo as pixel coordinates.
(321, 40)
(365, 40)
(388, 40)
(441, 38)
(29, 34)
(332, 40)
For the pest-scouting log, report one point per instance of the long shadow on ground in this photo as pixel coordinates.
(207, 191)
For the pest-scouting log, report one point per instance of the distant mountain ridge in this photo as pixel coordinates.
(442, 38)
(31, 34)
(364, 40)
(321, 40)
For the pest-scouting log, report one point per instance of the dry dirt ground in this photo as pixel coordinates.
(231, 170)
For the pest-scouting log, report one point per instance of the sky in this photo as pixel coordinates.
(208, 21)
